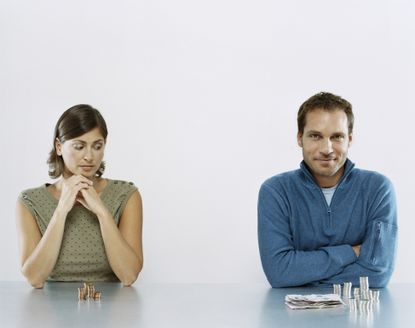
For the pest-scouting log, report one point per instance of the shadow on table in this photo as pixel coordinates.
(57, 305)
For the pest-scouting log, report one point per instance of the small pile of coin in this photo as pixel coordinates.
(88, 291)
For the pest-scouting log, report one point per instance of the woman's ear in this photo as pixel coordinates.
(58, 147)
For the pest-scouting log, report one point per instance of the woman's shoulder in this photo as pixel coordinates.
(115, 181)
(33, 192)
(116, 195)
(36, 199)
(120, 185)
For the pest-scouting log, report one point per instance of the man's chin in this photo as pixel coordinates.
(327, 172)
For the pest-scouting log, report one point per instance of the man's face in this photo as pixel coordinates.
(325, 143)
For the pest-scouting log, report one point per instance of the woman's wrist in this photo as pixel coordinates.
(61, 212)
(103, 215)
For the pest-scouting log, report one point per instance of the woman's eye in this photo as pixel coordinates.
(78, 146)
(98, 146)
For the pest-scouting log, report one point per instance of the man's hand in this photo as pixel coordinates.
(356, 249)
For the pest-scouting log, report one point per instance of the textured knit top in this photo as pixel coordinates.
(82, 255)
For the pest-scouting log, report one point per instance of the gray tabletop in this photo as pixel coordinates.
(190, 305)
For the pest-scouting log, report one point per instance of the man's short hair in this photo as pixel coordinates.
(328, 102)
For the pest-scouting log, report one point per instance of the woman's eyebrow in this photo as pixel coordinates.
(84, 142)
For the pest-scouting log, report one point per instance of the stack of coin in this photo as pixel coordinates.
(347, 290)
(88, 291)
(364, 299)
(81, 294)
(374, 295)
(353, 304)
(365, 306)
(337, 289)
(364, 288)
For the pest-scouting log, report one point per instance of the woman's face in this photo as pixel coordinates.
(82, 155)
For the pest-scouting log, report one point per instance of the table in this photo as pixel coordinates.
(189, 305)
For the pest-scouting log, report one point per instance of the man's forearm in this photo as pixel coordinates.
(295, 268)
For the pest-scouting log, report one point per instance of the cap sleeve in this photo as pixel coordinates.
(129, 189)
(24, 197)
(117, 196)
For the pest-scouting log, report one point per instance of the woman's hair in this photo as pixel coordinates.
(73, 123)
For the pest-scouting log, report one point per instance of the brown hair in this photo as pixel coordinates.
(73, 123)
(325, 101)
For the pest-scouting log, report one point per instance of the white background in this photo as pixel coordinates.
(201, 99)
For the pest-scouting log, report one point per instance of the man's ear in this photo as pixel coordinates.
(58, 147)
(350, 139)
(299, 139)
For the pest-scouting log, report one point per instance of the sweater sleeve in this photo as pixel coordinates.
(377, 255)
(283, 264)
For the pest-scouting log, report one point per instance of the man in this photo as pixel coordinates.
(327, 222)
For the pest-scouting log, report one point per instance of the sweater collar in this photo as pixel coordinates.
(348, 167)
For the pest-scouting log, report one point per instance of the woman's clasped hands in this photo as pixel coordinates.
(79, 189)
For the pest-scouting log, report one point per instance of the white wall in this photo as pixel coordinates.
(201, 100)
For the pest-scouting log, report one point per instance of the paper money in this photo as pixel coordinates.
(313, 301)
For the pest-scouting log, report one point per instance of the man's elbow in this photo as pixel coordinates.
(279, 279)
(380, 281)
(281, 282)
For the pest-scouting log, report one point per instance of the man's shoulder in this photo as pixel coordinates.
(282, 179)
(370, 178)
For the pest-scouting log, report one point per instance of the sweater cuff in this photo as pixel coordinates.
(342, 254)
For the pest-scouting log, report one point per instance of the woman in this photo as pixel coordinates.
(82, 227)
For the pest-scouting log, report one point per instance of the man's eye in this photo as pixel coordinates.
(338, 138)
(314, 136)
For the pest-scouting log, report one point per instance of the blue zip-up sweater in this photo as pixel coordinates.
(304, 241)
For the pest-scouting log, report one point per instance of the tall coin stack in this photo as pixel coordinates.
(364, 288)
(364, 298)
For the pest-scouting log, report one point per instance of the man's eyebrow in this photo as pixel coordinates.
(313, 132)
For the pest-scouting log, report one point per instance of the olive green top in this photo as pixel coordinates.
(82, 255)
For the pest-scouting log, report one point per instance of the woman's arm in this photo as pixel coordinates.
(123, 244)
(38, 254)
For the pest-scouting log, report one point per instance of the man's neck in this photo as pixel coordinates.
(329, 181)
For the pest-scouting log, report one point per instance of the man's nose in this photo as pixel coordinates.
(326, 146)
